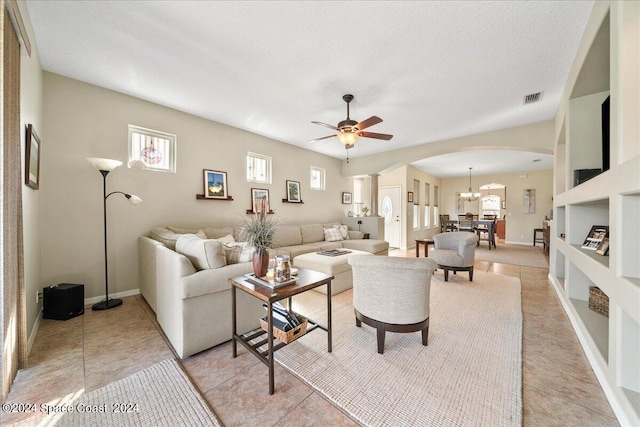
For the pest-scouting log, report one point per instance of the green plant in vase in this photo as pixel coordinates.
(259, 233)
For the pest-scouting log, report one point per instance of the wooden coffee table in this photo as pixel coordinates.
(307, 280)
(426, 243)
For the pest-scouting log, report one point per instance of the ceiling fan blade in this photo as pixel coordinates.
(384, 136)
(373, 120)
(319, 139)
(325, 125)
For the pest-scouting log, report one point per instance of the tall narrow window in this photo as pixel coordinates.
(436, 203)
(155, 149)
(258, 168)
(358, 195)
(427, 208)
(317, 178)
(416, 204)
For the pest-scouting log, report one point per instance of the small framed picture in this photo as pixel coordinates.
(603, 247)
(215, 185)
(595, 237)
(293, 192)
(257, 196)
(410, 196)
(346, 198)
(32, 159)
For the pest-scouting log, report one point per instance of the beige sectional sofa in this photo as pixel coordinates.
(193, 306)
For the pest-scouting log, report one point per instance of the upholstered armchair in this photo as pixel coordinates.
(454, 251)
(392, 294)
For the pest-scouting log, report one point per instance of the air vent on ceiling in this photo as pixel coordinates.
(534, 97)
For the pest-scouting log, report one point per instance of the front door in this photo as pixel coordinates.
(389, 209)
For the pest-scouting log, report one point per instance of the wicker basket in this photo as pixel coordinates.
(598, 301)
(288, 336)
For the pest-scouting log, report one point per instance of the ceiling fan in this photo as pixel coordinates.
(349, 130)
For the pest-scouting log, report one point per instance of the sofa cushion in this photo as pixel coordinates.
(168, 237)
(217, 233)
(287, 235)
(330, 245)
(203, 254)
(332, 234)
(311, 233)
(213, 280)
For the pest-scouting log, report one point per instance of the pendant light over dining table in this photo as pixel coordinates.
(470, 196)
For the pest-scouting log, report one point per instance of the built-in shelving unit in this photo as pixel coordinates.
(607, 65)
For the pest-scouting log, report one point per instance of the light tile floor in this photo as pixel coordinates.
(90, 351)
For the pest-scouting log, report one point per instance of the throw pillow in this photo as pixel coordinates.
(203, 254)
(238, 252)
(226, 239)
(344, 231)
(332, 235)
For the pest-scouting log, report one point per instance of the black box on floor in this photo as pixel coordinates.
(63, 301)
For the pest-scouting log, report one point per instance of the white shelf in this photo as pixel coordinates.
(596, 324)
(600, 259)
(612, 198)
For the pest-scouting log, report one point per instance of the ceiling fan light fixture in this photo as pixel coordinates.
(348, 139)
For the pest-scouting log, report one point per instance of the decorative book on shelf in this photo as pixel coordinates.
(603, 247)
(595, 237)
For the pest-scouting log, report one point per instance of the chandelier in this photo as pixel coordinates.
(470, 196)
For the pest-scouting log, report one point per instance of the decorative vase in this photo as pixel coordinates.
(260, 263)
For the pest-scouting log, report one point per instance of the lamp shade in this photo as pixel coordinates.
(348, 138)
(104, 164)
(134, 200)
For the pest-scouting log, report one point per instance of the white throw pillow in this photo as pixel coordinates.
(238, 252)
(344, 231)
(332, 235)
(203, 254)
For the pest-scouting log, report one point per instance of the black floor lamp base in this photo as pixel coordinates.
(106, 304)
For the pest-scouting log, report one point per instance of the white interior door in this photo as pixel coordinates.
(389, 209)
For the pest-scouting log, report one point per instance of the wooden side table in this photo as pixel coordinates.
(426, 243)
(307, 279)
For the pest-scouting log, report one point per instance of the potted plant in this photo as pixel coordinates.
(259, 233)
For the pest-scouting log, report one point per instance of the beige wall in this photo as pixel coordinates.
(31, 89)
(82, 121)
(519, 225)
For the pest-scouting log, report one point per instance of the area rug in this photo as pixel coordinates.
(528, 256)
(470, 374)
(161, 395)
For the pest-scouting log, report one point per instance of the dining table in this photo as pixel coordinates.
(480, 225)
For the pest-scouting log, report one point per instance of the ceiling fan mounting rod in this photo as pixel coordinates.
(347, 98)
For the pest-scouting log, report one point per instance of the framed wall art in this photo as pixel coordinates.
(293, 192)
(215, 185)
(32, 158)
(257, 196)
(529, 201)
(346, 198)
(410, 196)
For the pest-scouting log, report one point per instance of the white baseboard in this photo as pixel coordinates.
(34, 332)
(518, 243)
(91, 301)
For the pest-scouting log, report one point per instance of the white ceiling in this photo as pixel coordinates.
(431, 70)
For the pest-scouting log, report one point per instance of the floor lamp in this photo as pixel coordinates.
(105, 166)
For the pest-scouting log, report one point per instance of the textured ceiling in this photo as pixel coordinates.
(431, 70)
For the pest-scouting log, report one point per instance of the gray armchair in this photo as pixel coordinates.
(454, 251)
(392, 294)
